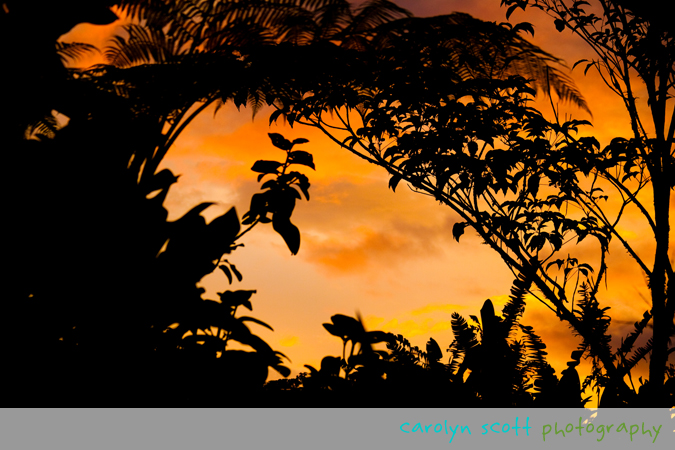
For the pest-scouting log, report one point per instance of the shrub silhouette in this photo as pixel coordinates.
(488, 367)
(108, 314)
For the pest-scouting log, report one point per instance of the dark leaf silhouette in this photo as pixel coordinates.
(280, 142)
(458, 230)
(266, 166)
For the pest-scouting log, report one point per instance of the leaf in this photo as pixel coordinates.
(300, 157)
(254, 320)
(533, 185)
(283, 370)
(288, 232)
(266, 166)
(300, 141)
(233, 299)
(559, 24)
(578, 62)
(275, 115)
(393, 182)
(585, 268)
(511, 10)
(312, 370)
(235, 271)
(226, 271)
(458, 230)
(558, 262)
(223, 230)
(375, 337)
(280, 142)
(332, 329)
(303, 184)
(196, 211)
(434, 352)
(161, 180)
(524, 26)
(588, 66)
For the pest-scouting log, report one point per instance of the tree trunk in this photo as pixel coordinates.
(663, 321)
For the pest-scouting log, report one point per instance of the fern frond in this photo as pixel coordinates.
(627, 345)
(458, 356)
(44, 128)
(639, 354)
(479, 49)
(535, 347)
(374, 13)
(515, 307)
(465, 337)
(72, 51)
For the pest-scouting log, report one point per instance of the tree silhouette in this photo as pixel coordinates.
(460, 130)
(115, 317)
(634, 46)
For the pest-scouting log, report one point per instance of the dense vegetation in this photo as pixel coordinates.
(102, 303)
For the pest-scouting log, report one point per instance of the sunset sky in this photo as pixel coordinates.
(388, 255)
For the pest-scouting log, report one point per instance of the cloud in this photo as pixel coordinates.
(372, 322)
(289, 341)
(433, 308)
(356, 228)
(366, 247)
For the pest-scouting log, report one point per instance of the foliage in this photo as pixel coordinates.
(123, 295)
(462, 131)
(440, 103)
(279, 196)
(635, 48)
(487, 368)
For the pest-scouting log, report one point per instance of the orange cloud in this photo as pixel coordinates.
(289, 341)
(429, 309)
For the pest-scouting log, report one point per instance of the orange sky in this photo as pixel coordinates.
(389, 256)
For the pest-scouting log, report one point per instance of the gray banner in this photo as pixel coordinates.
(342, 429)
